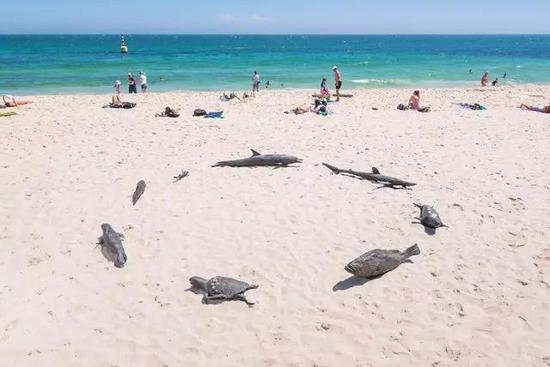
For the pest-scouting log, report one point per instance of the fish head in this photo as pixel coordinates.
(351, 267)
(105, 227)
(120, 261)
(198, 283)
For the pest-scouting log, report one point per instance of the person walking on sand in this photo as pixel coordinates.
(485, 79)
(131, 84)
(143, 82)
(337, 81)
(255, 83)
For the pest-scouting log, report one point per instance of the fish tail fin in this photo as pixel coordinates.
(411, 251)
(332, 168)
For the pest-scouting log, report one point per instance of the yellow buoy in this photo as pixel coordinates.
(123, 45)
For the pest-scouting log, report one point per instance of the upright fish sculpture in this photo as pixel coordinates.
(140, 189)
(429, 217)
(377, 262)
(112, 241)
(374, 176)
(258, 160)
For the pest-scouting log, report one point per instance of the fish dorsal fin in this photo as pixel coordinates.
(254, 153)
(375, 171)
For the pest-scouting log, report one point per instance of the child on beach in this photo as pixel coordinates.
(324, 92)
(117, 87)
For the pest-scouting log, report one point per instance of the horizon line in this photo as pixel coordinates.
(275, 34)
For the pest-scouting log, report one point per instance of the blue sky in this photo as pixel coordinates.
(279, 17)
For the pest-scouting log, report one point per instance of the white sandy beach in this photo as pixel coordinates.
(477, 295)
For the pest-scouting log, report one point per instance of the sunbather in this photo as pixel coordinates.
(475, 106)
(226, 97)
(10, 101)
(545, 109)
(168, 112)
(414, 101)
(298, 110)
(414, 104)
(116, 102)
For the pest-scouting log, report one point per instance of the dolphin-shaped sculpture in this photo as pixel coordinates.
(373, 176)
(257, 159)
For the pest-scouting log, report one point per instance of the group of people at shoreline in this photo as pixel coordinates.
(320, 103)
(325, 92)
(132, 84)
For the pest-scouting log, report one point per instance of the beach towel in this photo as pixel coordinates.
(475, 106)
(214, 115)
(6, 114)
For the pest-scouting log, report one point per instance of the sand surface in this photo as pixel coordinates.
(477, 295)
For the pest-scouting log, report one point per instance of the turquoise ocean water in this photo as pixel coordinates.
(42, 64)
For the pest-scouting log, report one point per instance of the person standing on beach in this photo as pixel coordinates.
(143, 82)
(131, 84)
(117, 87)
(485, 79)
(324, 92)
(337, 81)
(255, 83)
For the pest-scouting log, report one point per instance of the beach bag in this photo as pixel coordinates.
(402, 107)
(424, 109)
(199, 112)
(127, 105)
